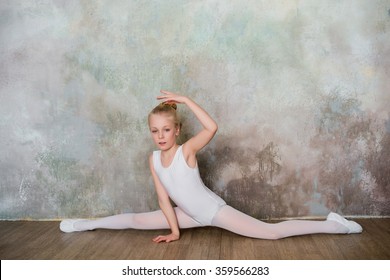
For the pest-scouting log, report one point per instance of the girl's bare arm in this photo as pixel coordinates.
(166, 207)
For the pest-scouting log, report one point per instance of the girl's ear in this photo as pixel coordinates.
(178, 128)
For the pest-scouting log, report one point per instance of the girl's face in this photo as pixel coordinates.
(164, 131)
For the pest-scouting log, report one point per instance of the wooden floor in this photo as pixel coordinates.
(44, 241)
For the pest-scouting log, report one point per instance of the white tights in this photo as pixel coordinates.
(235, 221)
(227, 218)
(148, 220)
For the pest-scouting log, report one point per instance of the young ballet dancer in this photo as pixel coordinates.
(176, 176)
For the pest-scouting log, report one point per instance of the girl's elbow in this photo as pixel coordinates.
(214, 128)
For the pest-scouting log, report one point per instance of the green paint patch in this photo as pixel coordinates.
(60, 167)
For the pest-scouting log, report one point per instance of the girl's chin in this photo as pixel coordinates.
(164, 146)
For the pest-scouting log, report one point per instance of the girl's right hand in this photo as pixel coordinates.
(172, 97)
(166, 238)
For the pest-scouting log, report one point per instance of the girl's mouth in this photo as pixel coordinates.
(162, 143)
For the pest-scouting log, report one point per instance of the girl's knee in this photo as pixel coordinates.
(136, 221)
(275, 236)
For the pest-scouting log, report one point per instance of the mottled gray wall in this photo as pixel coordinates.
(300, 90)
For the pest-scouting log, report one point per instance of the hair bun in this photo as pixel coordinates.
(170, 103)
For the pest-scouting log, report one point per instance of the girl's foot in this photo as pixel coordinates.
(352, 226)
(68, 225)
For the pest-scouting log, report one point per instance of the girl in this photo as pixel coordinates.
(176, 176)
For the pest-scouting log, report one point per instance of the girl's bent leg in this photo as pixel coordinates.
(233, 220)
(147, 220)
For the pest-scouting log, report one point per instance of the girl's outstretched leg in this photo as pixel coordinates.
(148, 220)
(233, 220)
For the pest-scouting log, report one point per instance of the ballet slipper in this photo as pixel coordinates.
(68, 225)
(352, 226)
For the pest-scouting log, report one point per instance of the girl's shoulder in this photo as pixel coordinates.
(152, 157)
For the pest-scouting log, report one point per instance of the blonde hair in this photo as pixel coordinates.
(166, 108)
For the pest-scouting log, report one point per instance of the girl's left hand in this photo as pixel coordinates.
(171, 97)
(166, 238)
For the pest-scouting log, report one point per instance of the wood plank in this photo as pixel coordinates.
(205, 244)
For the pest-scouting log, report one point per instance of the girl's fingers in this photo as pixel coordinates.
(167, 99)
(167, 94)
(159, 239)
(170, 97)
(162, 238)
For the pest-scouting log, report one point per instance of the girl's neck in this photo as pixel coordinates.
(168, 155)
(171, 151)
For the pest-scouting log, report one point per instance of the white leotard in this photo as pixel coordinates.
(186, 188)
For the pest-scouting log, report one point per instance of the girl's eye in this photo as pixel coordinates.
(167, 130)
(154, 131)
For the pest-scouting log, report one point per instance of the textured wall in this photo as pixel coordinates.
(300, 90)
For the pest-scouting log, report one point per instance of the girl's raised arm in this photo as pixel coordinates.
(210, 127)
